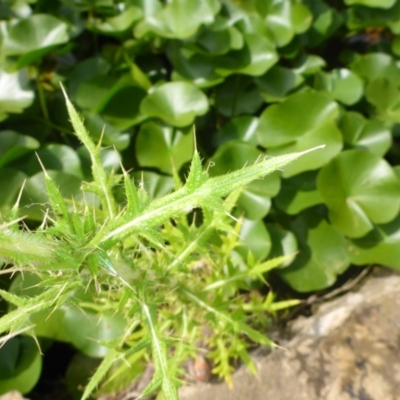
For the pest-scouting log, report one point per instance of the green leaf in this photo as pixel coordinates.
(284, 244)
(189, 65)
(287, 18)
(35, 196)
(13, 145)
(94, 329)
(341, 84)
(16, 94)
(376, 65)
(242, 128)
(301, 121)
(255, 238)
(380, 246)
(255, 58)
(29, 39)
(322, 256)
(298, 193)
(57, 157)
(385, 96)
(360, 189)
(176, 103)
(372, 3)
(255, 197)
(163, 147)
(276, 84)
(365, 133)
(11, 182)
(237, 95)
(179, 19)
(20, 365)
(117, 25)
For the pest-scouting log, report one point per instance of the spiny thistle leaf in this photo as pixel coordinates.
(99, 174)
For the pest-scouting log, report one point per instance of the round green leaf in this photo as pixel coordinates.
(31, 38)
(176, 103)
(359, 189)
(109, 135)
(116, 25)
(322, 257)
(372, 3)
(156, 185)
(237, 95)
(298, 193)
(300, 122)
(255, 197)
(56, 157)
(220, 38)
(377, 65)
(20, 365)
(277, 83)
(86, 329)
(341, 84)
(255, 238)
(13, 145)
(385, 96)
(179, 19)
(242, 128)
(11, 182)
(287, 18)
(380, 246)
(163, 147)
(34, 196)
(192, 66)
(15, 93)
(255, 58)
(365, 133)
(284, 243)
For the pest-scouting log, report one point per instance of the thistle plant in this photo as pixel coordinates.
(166, 272)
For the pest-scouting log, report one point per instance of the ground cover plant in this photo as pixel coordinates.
(124, 286)
(256, 78)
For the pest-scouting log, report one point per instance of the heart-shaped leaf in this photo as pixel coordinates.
(322, 255)
(11, 182)
(372, 3)
(360, 189)
(15, 93)
(277, 83)
(179, 19)
(376, 65)
(255, 58)
(298, 193)
(341, 84)
(287, 18)
(283, 242)
(57, 157)
(20, 365)
(238, 95)
(30, 38)
(380, 246)
(116, 25)
(164, 147)
(13, 145)
(255, 197)
(300, 122)
(242, 128)
(365, 133)
(385, 96)
(176, 103)
(255, 238)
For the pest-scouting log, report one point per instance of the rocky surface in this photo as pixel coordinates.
(348, 350)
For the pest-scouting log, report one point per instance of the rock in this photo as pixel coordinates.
(13, 395)
(348, 350)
